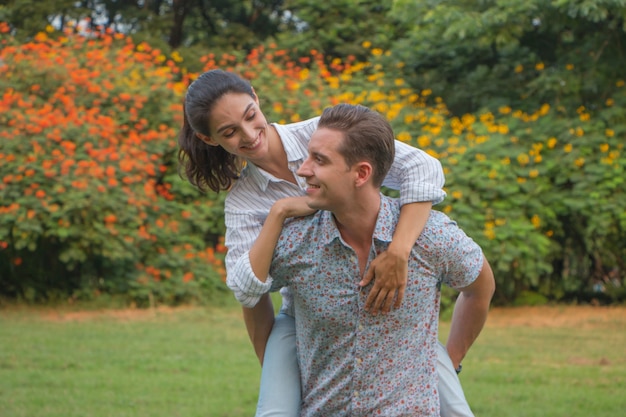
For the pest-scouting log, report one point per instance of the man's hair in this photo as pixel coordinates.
(367, 136)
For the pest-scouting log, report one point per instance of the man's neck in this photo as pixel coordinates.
(356, 224)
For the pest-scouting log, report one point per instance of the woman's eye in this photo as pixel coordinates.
(251, 116)
(229, 133)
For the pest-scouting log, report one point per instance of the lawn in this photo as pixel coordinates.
(543, 362)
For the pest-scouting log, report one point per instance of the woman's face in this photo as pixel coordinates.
(238, 125)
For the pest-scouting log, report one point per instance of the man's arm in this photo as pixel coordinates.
(470, 314)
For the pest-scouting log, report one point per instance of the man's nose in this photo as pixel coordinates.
(304, 170)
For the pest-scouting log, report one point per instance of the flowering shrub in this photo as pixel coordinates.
(543, 193)
(90, 198)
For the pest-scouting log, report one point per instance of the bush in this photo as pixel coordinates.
(90, 196)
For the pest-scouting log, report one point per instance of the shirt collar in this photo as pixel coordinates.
(385, 224)
(295, 154)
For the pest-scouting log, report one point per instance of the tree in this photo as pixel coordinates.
(520, 53)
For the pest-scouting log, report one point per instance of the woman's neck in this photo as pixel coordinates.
(276, 162)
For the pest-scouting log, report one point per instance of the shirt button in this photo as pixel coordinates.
(356, 393)
(359, 361)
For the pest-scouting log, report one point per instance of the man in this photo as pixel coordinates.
(354, 363)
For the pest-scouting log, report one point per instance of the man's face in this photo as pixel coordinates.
(330, 180)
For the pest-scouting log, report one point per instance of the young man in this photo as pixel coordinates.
(354, 363)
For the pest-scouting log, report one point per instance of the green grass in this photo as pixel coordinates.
(198, 362)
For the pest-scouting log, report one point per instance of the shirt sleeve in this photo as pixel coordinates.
(247, 288)
(461, 257)
(417, 175)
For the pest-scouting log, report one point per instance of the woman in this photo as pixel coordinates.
(227, 144)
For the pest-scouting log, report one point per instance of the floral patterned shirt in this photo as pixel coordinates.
(354, 363)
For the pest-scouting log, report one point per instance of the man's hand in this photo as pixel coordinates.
(390, 270)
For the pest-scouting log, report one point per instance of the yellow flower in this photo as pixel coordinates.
(49, 28)
(377, 52)
(523, 159)
(567, 148)
(538, 159)
(480, 157)
(534, 173)
(493, 174)
(579, 131)
(500, 222)
(536, 221)
(545, 109)
(176, 57)
(539, 66)
(609, 102)
(584, 117)
(550, 233)
(447, 209)
(457, 195)
(504, 110)
(399, 81)
(366, 44)
(569, 67)
(552, 142)
(404, 136)
(519, 68)
(503, 129)
(521, 180)
(609, 132)
(604, 147)
(506, 161)
(579, 162)
(427, 92)
(423, 141)
(490, 234)
(619, 83)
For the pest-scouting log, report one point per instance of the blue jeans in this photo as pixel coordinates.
(280, 393)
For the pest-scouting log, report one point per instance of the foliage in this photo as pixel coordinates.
(91, 200)
(337, 30)
(520, 53)
(93, 197)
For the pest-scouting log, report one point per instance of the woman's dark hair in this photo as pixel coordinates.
(205, 165)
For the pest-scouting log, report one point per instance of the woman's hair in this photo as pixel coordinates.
(367, 136)
(205, 165)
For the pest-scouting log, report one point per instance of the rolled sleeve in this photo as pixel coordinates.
(416, 174)
(247, 288)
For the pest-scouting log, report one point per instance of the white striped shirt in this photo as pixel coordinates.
(417, 175)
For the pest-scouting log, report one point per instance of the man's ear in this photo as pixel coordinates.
(206, 139)
(363, 171)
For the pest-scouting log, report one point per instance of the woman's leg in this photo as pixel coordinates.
(451, 397)
(279, 394)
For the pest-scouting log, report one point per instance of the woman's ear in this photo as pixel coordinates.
(206, 139)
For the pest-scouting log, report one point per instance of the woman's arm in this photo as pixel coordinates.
(391, 266)
(419, 177)
(250, 273)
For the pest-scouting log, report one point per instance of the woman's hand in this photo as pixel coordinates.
(292, 207)
(390, 268)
